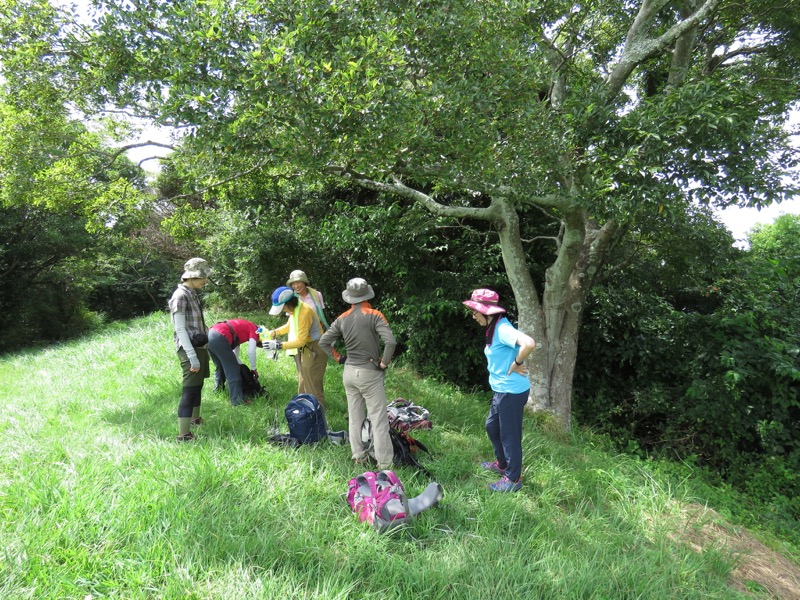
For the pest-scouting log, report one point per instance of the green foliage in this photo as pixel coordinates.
(717, 377)
(42, 292)
(75, 217)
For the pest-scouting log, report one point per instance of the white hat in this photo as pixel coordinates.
(196, 268)
(297, 275)
(357, 291)
(280, 297)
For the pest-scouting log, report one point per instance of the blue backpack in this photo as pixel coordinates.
(306, 419)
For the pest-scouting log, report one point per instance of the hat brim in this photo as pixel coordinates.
(194, 275)
(276, 309)
(350, 299)
(484, 309)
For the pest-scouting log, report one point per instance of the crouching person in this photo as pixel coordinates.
(224, 340)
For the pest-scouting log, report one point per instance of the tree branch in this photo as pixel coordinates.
(682, 54)
(122, 149)
(234, 177)
(639, 48)
(490, 213)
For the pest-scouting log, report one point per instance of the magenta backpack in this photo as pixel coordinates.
(378, 498)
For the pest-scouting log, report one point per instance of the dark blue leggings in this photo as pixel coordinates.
(225, 362)
(504, 428)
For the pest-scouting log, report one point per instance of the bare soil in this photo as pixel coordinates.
(759, 570)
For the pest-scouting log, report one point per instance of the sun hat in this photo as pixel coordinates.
(280, 297)
(485, 302)
(297, 275)
(357, 291)
(196, 268)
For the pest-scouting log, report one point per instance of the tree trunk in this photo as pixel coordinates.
(554, 323)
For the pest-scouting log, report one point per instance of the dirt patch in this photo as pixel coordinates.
(757, 566)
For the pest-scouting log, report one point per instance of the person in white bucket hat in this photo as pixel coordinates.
(363, 329)
(298, 281)
(506, 350)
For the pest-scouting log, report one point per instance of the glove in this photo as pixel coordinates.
(342, 359)
(272, 345)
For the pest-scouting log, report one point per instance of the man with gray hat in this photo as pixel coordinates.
(191, 343)
(363, 329)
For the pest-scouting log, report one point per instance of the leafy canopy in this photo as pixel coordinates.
(530, 100)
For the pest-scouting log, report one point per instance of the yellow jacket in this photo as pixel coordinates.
(303, 327)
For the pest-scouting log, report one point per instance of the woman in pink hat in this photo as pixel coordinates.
(506, 350)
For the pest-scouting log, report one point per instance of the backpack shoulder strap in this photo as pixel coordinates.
(404, 448)
(391, 505)
(234, 338)
(362, 493)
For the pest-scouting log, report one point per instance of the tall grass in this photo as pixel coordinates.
(99, 501)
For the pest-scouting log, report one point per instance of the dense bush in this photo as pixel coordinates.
(716, 377)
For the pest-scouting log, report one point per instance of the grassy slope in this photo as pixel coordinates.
(99, 501)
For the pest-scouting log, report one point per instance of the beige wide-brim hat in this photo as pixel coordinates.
(357, 291)
(196, 268)
(297, 275)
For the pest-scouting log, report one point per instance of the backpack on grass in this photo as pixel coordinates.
(306, 419)
(405, 447)
(405, 415)
(307, 424)
(250, 385)
(380, 499)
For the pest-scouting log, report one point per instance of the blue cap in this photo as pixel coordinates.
(279, 297)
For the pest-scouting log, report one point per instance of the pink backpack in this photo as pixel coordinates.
(378, 498)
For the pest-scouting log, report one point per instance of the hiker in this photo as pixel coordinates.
(362, 328)
(304, 330)
(224, 340)
(298, 281)
(506, 350)
(191, 343)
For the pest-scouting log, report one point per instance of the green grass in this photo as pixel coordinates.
(99, 501)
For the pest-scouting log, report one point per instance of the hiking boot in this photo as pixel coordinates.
(506, 485)
(198, 421)
(493, 466)
(186, 437)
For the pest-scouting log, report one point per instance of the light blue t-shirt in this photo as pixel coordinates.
(500, 355)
